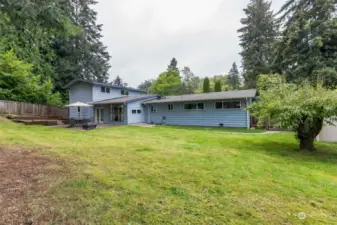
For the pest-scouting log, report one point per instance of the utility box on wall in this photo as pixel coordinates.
(328, 133)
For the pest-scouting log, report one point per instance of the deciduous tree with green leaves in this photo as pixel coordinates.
(304, 107)
(18, 83)
(168, 83)
(146, 85)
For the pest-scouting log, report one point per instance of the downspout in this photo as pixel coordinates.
(248, 115)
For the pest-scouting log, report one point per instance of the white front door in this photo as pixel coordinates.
(99, 115)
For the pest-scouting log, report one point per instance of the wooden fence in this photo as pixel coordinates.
(36, 110)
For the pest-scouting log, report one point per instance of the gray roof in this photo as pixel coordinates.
(251, 93)
(126, 99)
(103, 84)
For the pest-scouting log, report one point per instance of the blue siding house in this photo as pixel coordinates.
(123, 105)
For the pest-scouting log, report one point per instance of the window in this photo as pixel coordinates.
(170, 107)
(153, 109)
(124, 92)
(105, 89)
(139, 111)
(228, 105)
(218, 105)
(194, 106)
(134, 111)
(200, 105)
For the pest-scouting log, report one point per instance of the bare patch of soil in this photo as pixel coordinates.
(25, 178)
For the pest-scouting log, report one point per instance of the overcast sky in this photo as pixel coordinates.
(144, 35)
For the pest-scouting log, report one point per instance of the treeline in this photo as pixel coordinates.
(299, 42)
(44, 44)
(176, 82)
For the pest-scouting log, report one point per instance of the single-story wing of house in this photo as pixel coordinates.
(112, 104)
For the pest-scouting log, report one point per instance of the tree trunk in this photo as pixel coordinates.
(307, 132)
(307, 145)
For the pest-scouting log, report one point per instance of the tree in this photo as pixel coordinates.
(308, 48)
(234, 77)
(173, 65)
(118, 81)
(146, 85)
(257, 39)
(29, 28)
(60, 38)
(168, 83)
(301, 107)
(190, 81)
(217, 86)
(18, 83)
(206, 85)
(83, 55)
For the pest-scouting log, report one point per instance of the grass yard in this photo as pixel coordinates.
(172, 175)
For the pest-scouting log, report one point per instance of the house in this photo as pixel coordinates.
(112, 104)
(123, 105)
(328, 133)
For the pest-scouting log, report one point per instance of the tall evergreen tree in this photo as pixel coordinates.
(82, 56)
(217, 86)
(206, 85)
(234, 77)
(308, 49)
(173, 65)
(118, 81)
(257, 38)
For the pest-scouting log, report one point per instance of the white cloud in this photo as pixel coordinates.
(143, 35)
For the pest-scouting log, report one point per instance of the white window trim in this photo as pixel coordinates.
(197, 109)
(168, 108)
(228, 108)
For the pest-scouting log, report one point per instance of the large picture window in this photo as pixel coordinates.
(194, 106)
(235, 104)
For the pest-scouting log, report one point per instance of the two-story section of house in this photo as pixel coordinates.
(111, 104)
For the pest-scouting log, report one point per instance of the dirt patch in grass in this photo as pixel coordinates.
(25, 179)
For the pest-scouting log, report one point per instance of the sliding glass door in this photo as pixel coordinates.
(116, 113)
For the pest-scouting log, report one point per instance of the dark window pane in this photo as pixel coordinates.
(107, 90)
(102, 89)
(218, 105)
(139, 111)
(134, 111)
(200, 105)
(232, 105)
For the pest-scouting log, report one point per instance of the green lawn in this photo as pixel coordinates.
(172, 175)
